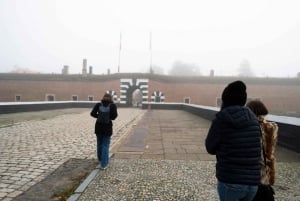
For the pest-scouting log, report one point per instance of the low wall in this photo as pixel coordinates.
(6, 108)
(15, 107)
(289, 127)
(199, 110)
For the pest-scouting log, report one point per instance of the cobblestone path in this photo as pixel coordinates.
(31, 150)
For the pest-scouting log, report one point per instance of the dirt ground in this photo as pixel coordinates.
(61, 183)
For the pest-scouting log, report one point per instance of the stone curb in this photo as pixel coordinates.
(81, 188)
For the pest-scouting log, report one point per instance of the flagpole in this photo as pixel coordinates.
(150, 48)
(120, 52)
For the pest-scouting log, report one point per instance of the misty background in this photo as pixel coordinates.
(233, 37)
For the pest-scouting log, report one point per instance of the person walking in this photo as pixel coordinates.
(234, 137)
(105, 111)
(269, 136)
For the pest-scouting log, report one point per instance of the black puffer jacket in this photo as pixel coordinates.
(104, 128)
(234, 137)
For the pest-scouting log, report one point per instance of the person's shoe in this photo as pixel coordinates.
(104, 168)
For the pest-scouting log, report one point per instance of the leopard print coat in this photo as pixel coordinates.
(269, 140)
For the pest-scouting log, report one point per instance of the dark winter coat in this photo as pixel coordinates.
(104, 128)
(234, 137)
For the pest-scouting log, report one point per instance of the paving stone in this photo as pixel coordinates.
(14, 194)
(2, 195)
(4, 185)
(6, 190)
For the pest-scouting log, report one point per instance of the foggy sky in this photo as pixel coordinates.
(45, 35)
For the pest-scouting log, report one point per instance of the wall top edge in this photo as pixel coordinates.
(147, 76)
(42, 102)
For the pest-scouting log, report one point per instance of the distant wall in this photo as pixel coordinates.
(281, 95)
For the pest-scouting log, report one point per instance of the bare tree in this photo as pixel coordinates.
(157, 70)
(180, 68)
(23, 70)
(245, 69)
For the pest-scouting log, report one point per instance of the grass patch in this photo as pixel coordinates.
(64, 194)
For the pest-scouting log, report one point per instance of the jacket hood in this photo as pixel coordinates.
(237, 116)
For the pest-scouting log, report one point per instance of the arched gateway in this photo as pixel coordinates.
(128, 86)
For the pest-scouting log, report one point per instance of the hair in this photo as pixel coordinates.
(257, 107)
(107, 98)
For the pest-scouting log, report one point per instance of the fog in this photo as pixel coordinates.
(233, 37)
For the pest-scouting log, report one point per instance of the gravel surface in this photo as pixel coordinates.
(160, 180)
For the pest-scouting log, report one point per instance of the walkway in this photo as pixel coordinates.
(158, 155)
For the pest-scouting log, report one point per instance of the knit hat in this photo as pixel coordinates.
(234, 94)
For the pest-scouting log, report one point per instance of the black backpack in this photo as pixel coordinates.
(104, 114)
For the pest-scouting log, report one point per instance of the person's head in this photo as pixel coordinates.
(107, 98)
(257, 107)
(234, 94)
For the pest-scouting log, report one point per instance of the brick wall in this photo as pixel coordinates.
(280, 95)
(62, 90)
